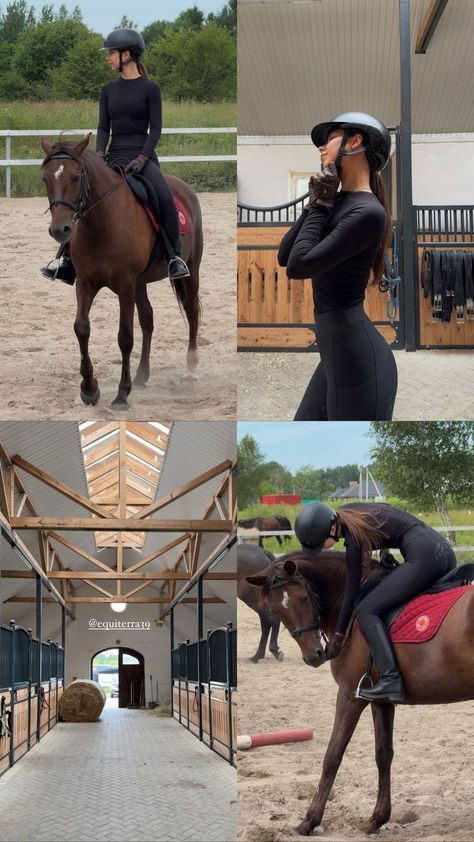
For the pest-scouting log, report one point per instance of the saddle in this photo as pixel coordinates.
(147, 195)
(417, 620)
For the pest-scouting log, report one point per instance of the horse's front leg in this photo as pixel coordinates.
(90, 392)
(265, 631)
(383, 716)
(274, 648)
(348, 712)
(145, 317)
(125, 341)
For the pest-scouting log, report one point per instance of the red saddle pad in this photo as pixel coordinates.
(420, 619)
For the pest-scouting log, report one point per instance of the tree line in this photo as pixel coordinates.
(55, 55)
(428, 465)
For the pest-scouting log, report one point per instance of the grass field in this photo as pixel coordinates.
(219, 176)
(460, 517)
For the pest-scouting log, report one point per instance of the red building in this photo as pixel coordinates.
(273, 499)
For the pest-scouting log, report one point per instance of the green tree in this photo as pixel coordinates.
(16, 18)
(126, 23)
(154, 31)
(430, 464)
(82, 72)
(227, 17)
(310, 482)
(43, 47)
(192, 19)
(249, 471)
(195, 65)
(47, 13)
(277, 478)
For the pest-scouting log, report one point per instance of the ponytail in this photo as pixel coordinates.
(365, 528)
(378, 188)
(142, 69)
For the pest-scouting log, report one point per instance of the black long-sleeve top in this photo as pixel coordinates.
(129, 108)
(395, 524)
(336, 248)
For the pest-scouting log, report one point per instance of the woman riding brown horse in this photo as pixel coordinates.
(111, 241)
(307, 596)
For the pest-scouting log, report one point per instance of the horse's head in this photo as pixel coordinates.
(66, 183)
(291, 598)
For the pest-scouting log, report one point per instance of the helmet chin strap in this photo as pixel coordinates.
(343, 154)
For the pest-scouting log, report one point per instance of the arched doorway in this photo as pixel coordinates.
(121, 673)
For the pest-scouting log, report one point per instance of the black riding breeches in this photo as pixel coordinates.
(356, 379)
(169, 218)
(427, 558)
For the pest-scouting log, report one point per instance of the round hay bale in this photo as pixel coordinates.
(82, 701)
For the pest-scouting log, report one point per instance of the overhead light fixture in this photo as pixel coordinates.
(118, 606)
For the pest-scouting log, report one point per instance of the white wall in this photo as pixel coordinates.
(443, 168)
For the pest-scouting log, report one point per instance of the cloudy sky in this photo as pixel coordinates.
(323, 444)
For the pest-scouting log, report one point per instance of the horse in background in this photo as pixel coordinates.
(268, 524)
(250, 561)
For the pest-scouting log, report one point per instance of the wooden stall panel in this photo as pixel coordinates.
(220, 721)
(193, 702)
(176, 699)
(267, 297)
(34, 709)
(44, 717)
(20, 725)
(5, 740)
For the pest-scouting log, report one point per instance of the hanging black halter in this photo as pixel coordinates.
(298, 579)
(79, 208)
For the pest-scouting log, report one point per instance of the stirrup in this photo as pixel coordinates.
(367, 674)
(182, 272)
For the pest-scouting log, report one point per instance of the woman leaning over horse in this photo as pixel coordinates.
(130, 107)
(338, 241)
(365, 527)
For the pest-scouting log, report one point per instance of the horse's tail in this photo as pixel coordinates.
(179, 289)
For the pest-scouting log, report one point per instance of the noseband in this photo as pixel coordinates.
(313, 598)
(84, 190)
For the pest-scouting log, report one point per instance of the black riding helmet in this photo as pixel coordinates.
(377, 141)
(313, 525)
(124, 39)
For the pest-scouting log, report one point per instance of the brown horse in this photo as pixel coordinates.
(251, 560)
(111, 243)
(307, 595)
(268, 524)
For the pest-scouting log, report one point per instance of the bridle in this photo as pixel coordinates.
(79, 208)
(298, 579)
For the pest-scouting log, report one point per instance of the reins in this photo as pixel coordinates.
(79, 211)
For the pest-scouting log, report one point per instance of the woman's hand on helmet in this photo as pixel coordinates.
(323, 186)
(137, 164)
(334, 646)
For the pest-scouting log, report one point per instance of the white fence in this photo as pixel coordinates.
(8, 162)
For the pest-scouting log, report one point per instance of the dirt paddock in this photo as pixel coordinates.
(431, 773)
(40, 354)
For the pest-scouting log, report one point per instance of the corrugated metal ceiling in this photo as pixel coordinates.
(302, 63)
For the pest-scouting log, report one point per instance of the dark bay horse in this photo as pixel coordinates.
(111, 242)
(267, 524)
(250, 561)
(307, 595)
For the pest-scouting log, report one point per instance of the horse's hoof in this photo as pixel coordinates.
(304, 829)
(190, 376)
(279, 656)
(90, 400)
(255, 659)
(139, 382)
(119, 405)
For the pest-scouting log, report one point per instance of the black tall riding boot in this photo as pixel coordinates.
(64, 271)
(389, 685)
(177, 267)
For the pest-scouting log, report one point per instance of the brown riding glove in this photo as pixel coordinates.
(323, 186)
(334, 646)
(137, 164)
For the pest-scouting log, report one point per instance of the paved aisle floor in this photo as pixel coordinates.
(131, 776)
(432, 385)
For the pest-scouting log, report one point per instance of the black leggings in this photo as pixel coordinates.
(168, 214)
(356, 379)
(427, 558)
